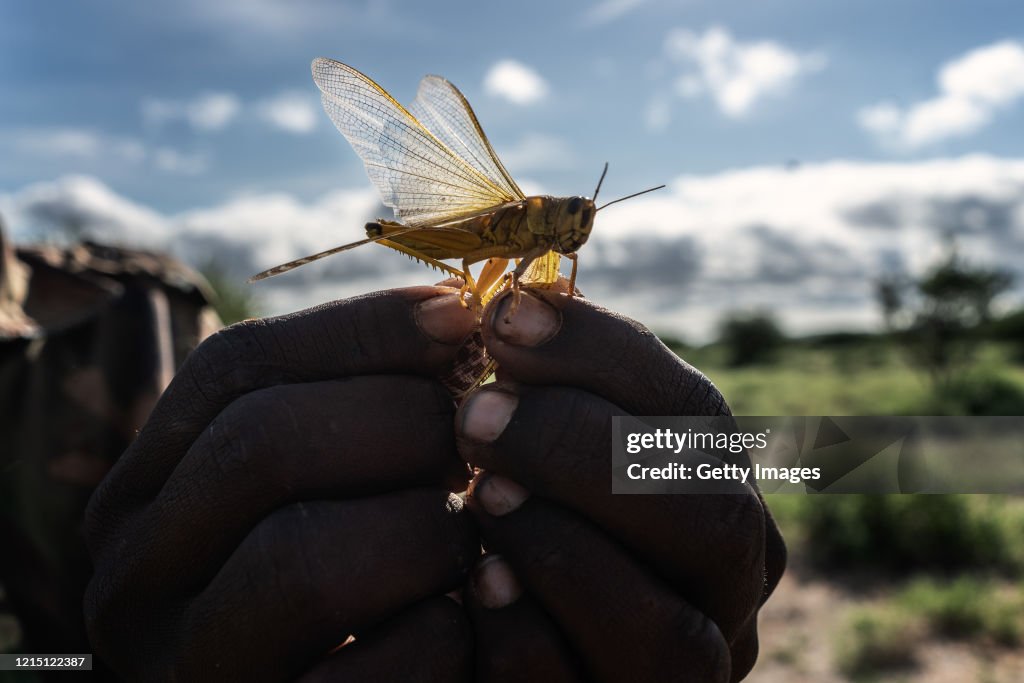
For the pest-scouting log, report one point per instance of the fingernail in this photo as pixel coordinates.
(498, 495)
(495, 584)
(534, 322)
(487, 413)
(444, 319)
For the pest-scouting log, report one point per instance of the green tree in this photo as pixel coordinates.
(939, 316)
(750, 338)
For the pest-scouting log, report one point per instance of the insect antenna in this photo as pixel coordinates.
(630, 196)
(599, 181)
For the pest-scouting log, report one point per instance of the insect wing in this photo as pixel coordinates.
(446, 113)
(417, 174)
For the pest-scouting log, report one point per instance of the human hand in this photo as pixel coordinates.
(291, 488)
(579, 582)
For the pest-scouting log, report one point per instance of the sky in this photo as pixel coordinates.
(808, 147)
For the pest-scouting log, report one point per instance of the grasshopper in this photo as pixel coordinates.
(451, 195)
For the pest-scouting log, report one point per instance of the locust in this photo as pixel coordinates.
(452, 197)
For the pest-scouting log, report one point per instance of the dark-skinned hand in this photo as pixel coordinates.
(580, 584)
(292, 488)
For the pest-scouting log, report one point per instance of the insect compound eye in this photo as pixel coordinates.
(574, 205)
(585, 218)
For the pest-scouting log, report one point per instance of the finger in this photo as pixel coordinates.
(623, 622)
(335, 439)
(556, 442)
(515, 639)
(430, 642)
(557, 339)
(408, 331)
(313, 573)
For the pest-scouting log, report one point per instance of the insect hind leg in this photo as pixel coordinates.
(423, 258)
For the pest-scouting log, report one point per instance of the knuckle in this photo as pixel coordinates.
(734, 544)
(251, 426)
(696, 639)
(558, 434)
(740, 528)
(574, 428)
(235, 353)
(552, 552)
(241, 338)
(694, 393)
(214, 350)
(286, 545)
(629, 340)
(95, 519)
(744, 651)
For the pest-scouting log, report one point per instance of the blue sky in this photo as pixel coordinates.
(185, 117)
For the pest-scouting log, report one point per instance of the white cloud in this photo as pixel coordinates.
(91, 207)
(993, 74)
(537, 151)
(63, 142)
(293, 112)
(245, 234)
(804, 242)
(736, 75)
(941, 118)
(882, 118)
(90, 150)
(80, 143)
(172, 161)
(608, 11)
(515, 82)
(211, 111)
(266, 229)
(972, 88)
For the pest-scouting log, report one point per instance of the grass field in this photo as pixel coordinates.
(887, 588)
(862, 378)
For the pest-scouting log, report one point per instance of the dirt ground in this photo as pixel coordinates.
(800, 624)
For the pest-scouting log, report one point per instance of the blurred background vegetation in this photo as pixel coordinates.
(898, 578)
(233, 300)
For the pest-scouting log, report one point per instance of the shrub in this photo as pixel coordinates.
(985, 394)
(750, 339)
(876, 639)
(900, 533)
(967, 608)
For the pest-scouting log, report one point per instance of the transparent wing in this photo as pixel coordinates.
(417, 174)
(445, 112)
